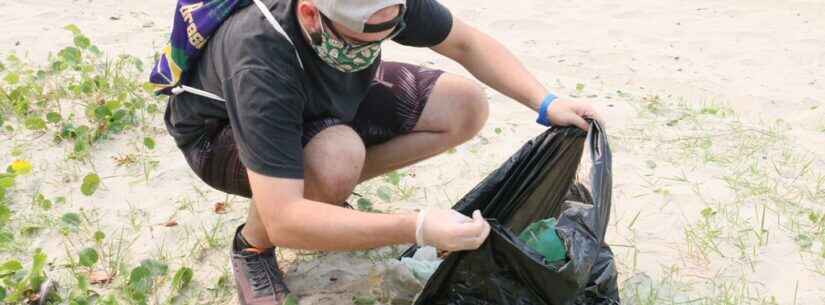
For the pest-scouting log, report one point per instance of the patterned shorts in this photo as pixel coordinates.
(392, 108)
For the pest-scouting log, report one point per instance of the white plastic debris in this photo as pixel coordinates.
(423, 263)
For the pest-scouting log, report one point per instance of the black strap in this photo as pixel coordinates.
(380, 27)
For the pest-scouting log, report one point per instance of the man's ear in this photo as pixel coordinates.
(308, 16)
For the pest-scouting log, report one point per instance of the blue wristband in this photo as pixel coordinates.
(543, 118)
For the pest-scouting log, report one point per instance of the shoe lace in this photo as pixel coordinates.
(262, 270)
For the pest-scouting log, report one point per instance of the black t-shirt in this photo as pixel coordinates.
(268, 96)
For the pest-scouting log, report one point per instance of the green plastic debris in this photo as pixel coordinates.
(541, 236)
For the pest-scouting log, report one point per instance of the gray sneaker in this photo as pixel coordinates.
(258, 279)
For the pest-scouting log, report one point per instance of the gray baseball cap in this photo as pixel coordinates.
(353, 14)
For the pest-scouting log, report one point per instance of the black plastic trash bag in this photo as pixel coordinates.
(538, 182)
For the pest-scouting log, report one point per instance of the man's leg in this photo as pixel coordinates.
(454, 113)
(333, 161)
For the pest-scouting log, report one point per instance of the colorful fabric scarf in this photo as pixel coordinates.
(194, 22)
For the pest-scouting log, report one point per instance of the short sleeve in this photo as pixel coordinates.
(266, 114)
(428, 24)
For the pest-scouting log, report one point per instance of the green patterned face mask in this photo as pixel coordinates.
(343, 56)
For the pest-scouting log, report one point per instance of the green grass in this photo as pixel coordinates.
(80, 100)
(765, 189)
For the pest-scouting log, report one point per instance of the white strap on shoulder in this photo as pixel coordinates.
(277, 26)
(182, 88)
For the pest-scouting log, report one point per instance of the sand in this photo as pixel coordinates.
(759, 61)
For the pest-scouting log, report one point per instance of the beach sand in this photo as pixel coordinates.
(760, 63)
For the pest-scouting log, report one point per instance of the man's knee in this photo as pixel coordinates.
(333, 161)
(472, 109)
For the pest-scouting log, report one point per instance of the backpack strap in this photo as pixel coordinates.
(278, 28)
(183, 88)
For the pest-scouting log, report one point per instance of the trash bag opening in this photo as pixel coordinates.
(543, 179)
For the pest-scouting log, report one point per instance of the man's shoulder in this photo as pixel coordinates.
(246, 40)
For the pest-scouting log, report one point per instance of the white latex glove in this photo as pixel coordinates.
(446, 229)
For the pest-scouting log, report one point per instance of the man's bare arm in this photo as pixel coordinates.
(294, 222)
(489, 61)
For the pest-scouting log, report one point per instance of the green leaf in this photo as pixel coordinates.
(291, 300)
(42, 202)
(182, 278)
(36, 273)
(149, 143)
(107, 300)
(80, 146)
(393, 178)
(90, 184)
(119, 115)
(99, 236)
(82, 283)
(148, 87)
(364, 204)
(2, 293)
(54, 117)
(35, 123)
(82, 131)
(710, 110)
(707, 212)
(498, 130)
(71, 220)
(81, 41)
(113, 105)
(384, 193)
(579, 87)
(5, 214)
(138, 64)
(10, 267)
(88, 257)
(155, 267)
(804, 241)
(12, 78)
(87, 86)
(6, 181)
(814, 217)
(79, 300)
(363, 300)
(102, 112)
(70, 54)
(6, 237)
(95, 50)
(30, 230)
(58, 66)
(72, 28)
(140, 280)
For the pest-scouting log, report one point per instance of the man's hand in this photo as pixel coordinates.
(449, 230)
(565, 112)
